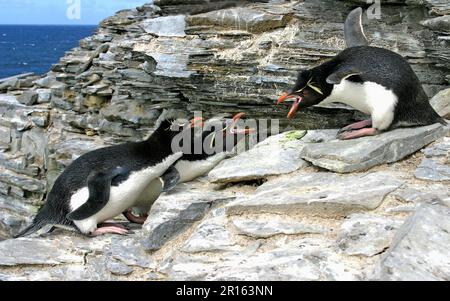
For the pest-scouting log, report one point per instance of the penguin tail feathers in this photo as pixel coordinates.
(43, 218)
(34, 227)
(442, 121)
(438, 118)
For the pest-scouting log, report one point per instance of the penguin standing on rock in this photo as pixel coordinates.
(104, 183)
(218, 139)
(373, 80)
(209, 144)
(109, 181)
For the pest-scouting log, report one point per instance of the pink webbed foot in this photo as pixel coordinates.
(356, 126)
(135, 219)
(358, 133)
(112, 228)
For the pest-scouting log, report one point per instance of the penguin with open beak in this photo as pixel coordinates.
(206, 147)
(106, 182)
(218, 138)
(103, 183)
(373, 80)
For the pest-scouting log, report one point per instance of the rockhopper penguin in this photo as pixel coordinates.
(103, 183)
(373, 80)
(218, 138)
(106, 182)
(209, 144)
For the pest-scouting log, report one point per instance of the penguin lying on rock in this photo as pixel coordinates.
(106, 182)
(373, 80)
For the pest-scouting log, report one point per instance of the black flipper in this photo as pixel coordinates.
(99, 185)
(353, 31)
(344, 72)
(170, 179)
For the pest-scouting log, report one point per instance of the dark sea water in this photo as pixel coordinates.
(34, 48)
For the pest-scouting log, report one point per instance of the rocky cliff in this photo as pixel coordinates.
(317, 208)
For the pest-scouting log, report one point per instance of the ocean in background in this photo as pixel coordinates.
(34, 48)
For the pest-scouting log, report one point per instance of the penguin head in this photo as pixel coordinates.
(166, 129)
(226, 134)
(310, 89)
(208, 138)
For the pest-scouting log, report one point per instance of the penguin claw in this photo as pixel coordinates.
(358, 133)
(135, 219)
(343, 130)
(109, 229)
(356, 126)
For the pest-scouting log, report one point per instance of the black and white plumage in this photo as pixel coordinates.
(99, 185)
(373, 80)
(218, 138)
(112, 179)
(109, 181)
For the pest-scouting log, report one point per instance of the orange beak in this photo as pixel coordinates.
(239, 131)
(294, 108)
(285, 96)
(238, 116)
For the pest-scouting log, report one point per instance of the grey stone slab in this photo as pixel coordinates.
(367, 235)
(420, 248)
(279, 154)
(169, 26)
(211, 235)
(438, 149)
(129, 252)
(432, 170)
(301, 259)
(22, 181)
(176, 211)
(28, 98)
(321, 193)
(364, 153)
(240, 18)
(441, 102)
(264, 227)
(26, 251)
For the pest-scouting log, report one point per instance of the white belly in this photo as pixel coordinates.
(368, 97)
(148, 197)
(190, 170)
(121, 197)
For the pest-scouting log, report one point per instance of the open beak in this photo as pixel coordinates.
(285, 96)
(294, 107)
(238, 131)
(197, 122)
(237, 117)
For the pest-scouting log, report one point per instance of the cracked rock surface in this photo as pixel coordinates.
(309, 224)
